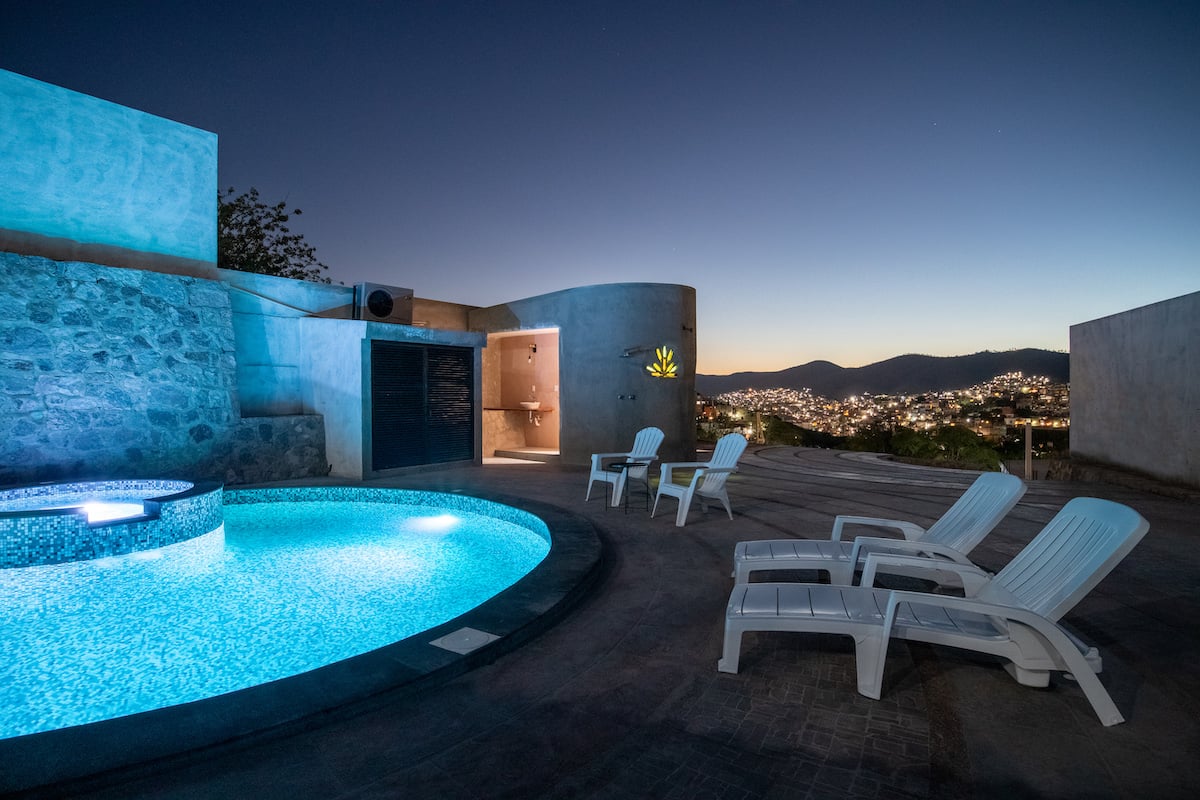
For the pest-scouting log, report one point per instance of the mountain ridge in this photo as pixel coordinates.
(906, 374)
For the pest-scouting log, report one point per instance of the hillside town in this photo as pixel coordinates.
(990, 409)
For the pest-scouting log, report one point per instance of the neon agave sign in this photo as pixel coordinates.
(665, 366)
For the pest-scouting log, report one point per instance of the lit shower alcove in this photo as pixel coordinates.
(521, 408)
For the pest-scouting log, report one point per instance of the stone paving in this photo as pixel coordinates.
(622, 698)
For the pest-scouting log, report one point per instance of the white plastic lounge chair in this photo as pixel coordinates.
(972, 517)
(645, 448)
(708, 483)
(1013, 615)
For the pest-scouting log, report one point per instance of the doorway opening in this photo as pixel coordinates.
(521, 408)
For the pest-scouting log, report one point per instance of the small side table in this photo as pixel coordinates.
(623, 466)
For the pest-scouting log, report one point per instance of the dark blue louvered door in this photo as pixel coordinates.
(422, 404)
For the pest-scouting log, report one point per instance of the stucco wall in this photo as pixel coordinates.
(604, 398)
(119, 373)
(88, 180)
(441, 315)
(1135, 390)
(268, 314)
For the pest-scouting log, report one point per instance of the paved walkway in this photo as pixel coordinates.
(622, 698)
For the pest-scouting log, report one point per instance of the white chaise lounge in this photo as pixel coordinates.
(973, 516)
(1013, 615)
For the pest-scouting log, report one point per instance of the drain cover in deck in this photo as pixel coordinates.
(464, 640)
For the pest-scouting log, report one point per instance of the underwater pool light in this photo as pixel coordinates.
(439, 523)
(100, 511)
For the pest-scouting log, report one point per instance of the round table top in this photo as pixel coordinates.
(623, 465)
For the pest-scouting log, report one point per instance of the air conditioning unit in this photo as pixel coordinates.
(375, 302)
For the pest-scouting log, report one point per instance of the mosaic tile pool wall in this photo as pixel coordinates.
(174, 511)
(359, 494)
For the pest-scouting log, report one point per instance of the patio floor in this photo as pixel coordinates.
(622, 699)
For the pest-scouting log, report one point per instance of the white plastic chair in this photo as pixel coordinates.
(1013, 615)
(708, 483)
(645, 449)
(973, 516)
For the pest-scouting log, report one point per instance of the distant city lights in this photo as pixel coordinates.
(1011, 400)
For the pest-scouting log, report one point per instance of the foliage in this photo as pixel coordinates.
(913, 444)
(778, 431)
(961, 445)
(1047, 443)
(951, 446)
(873, 438)
(253, 236)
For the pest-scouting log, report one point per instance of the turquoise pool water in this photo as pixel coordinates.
(289, 584)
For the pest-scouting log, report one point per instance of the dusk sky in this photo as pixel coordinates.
(838, 180)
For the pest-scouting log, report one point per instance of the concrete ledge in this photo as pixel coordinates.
(1076, 469)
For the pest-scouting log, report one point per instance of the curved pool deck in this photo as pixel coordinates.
(622, 698)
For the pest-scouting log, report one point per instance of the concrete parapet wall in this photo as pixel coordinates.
(1135, 390)
(441, 315)
(88, 180)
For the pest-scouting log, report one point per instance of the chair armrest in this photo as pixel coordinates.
(972, 577)
(1042, 625)
(647, 462)
(704, 469)
(598, 458)
(664, 469)
(865, 545)
(683, 464)
(910, 530)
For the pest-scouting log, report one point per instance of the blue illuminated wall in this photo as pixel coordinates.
(83, 179)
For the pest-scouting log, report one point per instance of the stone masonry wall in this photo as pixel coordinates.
(277, 448)
(122, 373)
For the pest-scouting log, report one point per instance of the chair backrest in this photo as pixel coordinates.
(977, 512)
(645, 445)
(1072, 554)
(726, 454)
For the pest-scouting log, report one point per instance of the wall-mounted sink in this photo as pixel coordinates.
(530, 405)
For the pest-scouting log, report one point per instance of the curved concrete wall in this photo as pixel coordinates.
(604, 396)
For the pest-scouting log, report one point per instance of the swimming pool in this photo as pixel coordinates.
(298, 579)
(64, 760)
